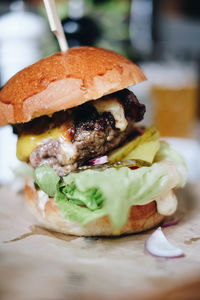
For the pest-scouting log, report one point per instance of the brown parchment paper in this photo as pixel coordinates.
(38, 264)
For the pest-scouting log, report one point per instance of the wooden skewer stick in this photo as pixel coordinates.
(55, 24)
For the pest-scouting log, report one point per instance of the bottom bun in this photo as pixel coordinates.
(141, 217)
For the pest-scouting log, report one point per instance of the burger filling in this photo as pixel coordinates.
(70, 138)
(138, 168)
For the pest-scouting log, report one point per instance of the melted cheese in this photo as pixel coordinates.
(28, 142)
(115, 108)
(68, 151)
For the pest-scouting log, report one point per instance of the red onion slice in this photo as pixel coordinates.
(170, 222)
(157, 245)
(99, 160)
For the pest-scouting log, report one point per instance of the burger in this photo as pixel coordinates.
(96, 171)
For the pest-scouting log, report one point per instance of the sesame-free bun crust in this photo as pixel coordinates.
(141, 218)
(65, 80)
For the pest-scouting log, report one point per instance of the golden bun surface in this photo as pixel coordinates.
(141, 217)
(65, 80)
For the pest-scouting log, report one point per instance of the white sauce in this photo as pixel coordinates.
(42, 200)
(115, 108)
(174, 177)
(166, 204)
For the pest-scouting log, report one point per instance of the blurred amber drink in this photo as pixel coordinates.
(175, 110)
(174, 96)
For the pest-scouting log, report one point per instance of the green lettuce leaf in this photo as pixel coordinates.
(46, 178)
(91, 198)
(48, 181)
(120, 188)
(74, 212)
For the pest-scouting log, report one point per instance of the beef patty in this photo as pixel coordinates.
(92, 134)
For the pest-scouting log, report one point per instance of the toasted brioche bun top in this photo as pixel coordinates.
(65, 80)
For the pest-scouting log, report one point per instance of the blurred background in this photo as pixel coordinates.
(162, 36)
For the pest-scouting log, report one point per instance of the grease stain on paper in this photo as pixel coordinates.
(190, 241)
(38, 230)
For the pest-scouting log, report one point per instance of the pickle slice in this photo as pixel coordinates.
(145, 151)
(129, 163)
(126, 151)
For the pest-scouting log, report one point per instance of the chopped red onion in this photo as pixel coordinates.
(170, 222)
(157, 245)
(99, 160)
(134, 167)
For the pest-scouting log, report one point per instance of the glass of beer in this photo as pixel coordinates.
(174, 92)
